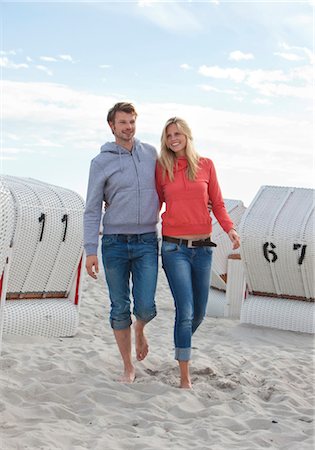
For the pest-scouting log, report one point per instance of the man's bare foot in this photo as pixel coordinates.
(128, 376)
(142, 347)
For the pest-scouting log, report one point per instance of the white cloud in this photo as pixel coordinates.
(8, 64)
(29, 59)
(209, 88)
(185, 66)
(237, 55)
(15, 150)
(7, 158)
(266, 82)
(53, 104)
(66, 58)
(48, 59)
(234, 74)
(262, 101)
(105, 66)
(42, 142)
(261, 76)
(304, 50)
(9, 52)
(304, 73)
(289, 56)
(299, 20)
(44, 69)
(49, 114)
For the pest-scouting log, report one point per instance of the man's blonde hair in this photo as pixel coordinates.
(168, 157)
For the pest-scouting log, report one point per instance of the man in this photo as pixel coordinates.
(122, 176)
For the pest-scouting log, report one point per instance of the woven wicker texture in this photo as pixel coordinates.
(47, 237)
(277, 239)
(47, 230)
(216, 303)
(6, 223)
(49, 317)
(236, 210)
(293, 315)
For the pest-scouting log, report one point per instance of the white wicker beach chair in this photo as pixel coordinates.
(6, 223)
(43, 288)
(6, 235)
(277, 252)
(219, 273)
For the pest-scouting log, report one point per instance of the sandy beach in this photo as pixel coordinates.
(252, 387)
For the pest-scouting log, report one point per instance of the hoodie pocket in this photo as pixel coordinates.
(178, 212)
(122, 209)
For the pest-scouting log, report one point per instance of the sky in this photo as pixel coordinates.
(241, 73)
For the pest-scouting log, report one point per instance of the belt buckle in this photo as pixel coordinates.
(189, 243)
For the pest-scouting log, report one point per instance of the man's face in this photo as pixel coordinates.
(123, 127)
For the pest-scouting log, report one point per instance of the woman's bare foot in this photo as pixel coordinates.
(186, 384)
(185, 381)
(142, 347)
(128, 376)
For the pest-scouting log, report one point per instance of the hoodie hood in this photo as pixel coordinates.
(112, 147)
(181, 163)
(181, 166)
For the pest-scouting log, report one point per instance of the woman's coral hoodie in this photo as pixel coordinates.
(187, 201)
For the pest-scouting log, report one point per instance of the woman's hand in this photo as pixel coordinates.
(235, 239)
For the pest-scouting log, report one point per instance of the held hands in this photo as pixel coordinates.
(91, 265)
(235, 239)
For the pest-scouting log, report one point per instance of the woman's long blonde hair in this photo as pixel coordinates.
(168, 157)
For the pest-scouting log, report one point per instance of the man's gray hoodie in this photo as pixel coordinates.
(126, 182)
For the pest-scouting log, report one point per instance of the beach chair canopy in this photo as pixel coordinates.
(44, 224)
(277, 237)
(6, 223)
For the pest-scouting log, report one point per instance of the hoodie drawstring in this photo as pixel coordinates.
(120, 161)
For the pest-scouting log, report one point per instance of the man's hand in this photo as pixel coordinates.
(235, 239)
(91, 265)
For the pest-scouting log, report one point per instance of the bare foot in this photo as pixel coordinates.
(185, 385)
(128, 376)
(142, 347)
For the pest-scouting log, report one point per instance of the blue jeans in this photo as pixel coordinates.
(188, 271)
(135, 256)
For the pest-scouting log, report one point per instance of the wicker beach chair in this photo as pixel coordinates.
(277, 253)
(43, 288)
(6, 235)
(6, 223)
(219, 303)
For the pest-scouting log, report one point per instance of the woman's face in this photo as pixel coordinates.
(175, 140)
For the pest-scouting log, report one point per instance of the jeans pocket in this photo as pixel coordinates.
(208, 250)
(107, 239)
(169, 247)
(150, 239)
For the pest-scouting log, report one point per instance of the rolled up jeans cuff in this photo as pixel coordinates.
(183, 354)
(120, 324)
(146, 318)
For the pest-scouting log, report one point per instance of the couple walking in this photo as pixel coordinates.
(132, 182)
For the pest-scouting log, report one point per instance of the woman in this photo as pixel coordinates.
(187, 183)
